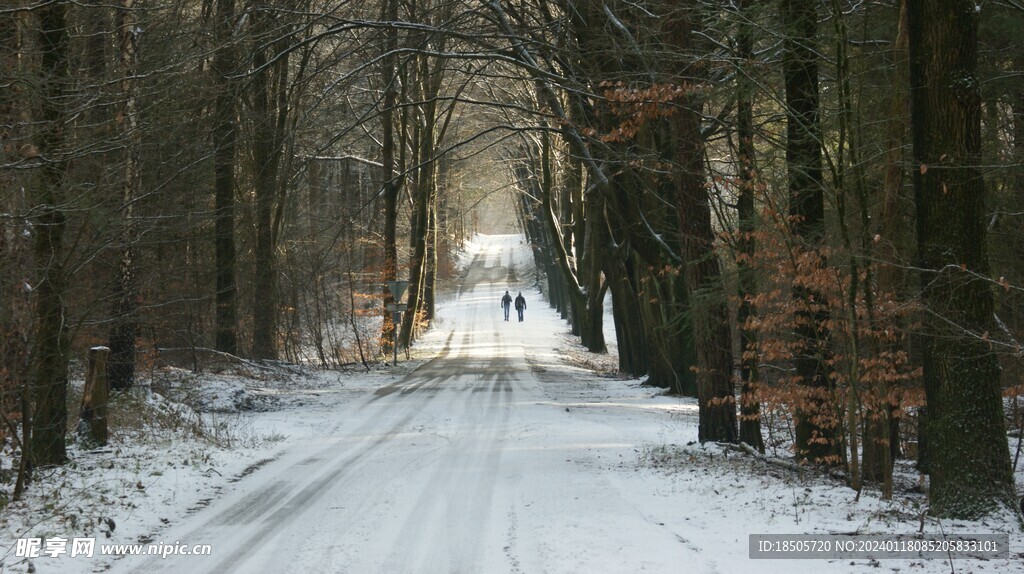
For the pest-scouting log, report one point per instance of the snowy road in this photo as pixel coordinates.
(498, 456)
(465, 465)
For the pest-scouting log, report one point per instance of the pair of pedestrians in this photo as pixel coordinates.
(520, 303)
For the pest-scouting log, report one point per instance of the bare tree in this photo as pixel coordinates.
(225, 134)
(750, 423)
(52, 347)
(121, 365)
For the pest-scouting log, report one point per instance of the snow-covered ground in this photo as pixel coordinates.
(493, 450)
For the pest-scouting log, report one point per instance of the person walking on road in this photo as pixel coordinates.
(520, 305)
(506, 303)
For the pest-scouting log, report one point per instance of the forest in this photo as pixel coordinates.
(805, 214)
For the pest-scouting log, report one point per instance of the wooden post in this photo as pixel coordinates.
(94, 398)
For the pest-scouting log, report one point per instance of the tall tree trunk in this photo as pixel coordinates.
(225, 134)
(421, 214)
(430, 262)
(430, 281)
(590, 232)
(121, 364)
(709, 315)
(807, 210)
(269, 112)
(51, 353)
(592, 326)
(629, 328)
(575, 308)
(389, 73)
(16, 313)
(969, 460)
(881, 442)
(750, 410)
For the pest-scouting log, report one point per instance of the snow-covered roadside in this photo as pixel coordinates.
(712, 498)
(165, 459)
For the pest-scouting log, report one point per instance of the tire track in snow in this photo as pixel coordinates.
(421, 384)
(272, 509)
(458, 498)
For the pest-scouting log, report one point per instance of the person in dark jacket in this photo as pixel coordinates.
(520, 305)
(506, 303)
